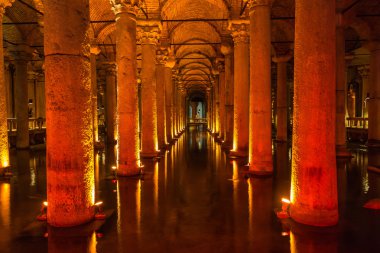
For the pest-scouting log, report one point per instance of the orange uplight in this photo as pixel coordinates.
(45, 203)
(113, 167)
(284, 200)
(99, 203)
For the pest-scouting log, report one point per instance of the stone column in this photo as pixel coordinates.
(216, 103)
(148, 34)
(162, 56)
(340, 130)
(240, 35)
(127, 90)
(110, 113)
(260, 97)
(314, 182)
(282, 98)
(363, 71)
(4, 147)
(374, 97)
(194, 106)
(169, 99)
(21, 54)
(94, 52)
(222, 99)
(69, 149)
(229, 96)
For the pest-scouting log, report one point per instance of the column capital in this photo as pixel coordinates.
(226, 49)
(220, 65)
(4, 4)
(95, 50)
(282, 58)
(239, 30)
(255, 3)
(109, 67)
(21, 52)
(162, 55)
(125, 6)
(148, 32)
(171, 62)
(363, 71)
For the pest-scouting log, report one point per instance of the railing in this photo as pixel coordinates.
(357, 123)
(34, 124)
(198, 121)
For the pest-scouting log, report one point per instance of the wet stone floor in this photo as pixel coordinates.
(193, 199)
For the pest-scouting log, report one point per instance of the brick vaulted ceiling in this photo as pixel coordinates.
(196, 29)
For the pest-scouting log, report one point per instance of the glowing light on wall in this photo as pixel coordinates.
(156, 187)
(138, 206)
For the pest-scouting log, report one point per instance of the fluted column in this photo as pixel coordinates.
(240, 35)
(169, 98)
(94, 52)
(341, 147)
(148, 34)
(162, 56)
(127, 91)
(4, 148)
(282, 98)
(374, 96)
(110, 97)
(21, 54)
(314, 182)
(69, 149)
(229, 96)
(222, 99)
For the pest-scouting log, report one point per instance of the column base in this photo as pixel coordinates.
(318, 218)
(136, 172)
(342, 151)
(237, 154)
(281, 141)
(373, 143)
(150, 154)
(226, 146)
(98, 145)
(5, 172)
(219, 139)
(374, 169)
(263, 169)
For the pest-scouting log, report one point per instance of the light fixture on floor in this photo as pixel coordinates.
(43, 213)
(284, 213)
(99, 213)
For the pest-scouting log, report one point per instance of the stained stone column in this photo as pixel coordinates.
(127, 90)
(314, 182)
(216, 103)
(222, 100)
(374, 94)
(22, 55)
(229, 96)
(341, 147)
(260, 99)
(110, 71)
(282, 98)
(69, 149)
(363, 71)
(94, 52)
(240, 36)
(4, 148)
(162, 56)
(169, 99)
(148, 34)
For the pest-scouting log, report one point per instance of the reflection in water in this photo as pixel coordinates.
(67, 240)
(5, 197)
(156, 187)
(313, 240)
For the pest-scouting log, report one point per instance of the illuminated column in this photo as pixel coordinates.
(194, 106)
(222, 99)
(240, 35)
(148, 34)
(216, 103)
(260, 99)
(208, 108)
(282, 98)
(69, 148)
(314, 182)
(110, 71)
(363, 71)
(127, 90)
(169, 98)
(229, 96)
(21, 54)
(374, 97)
(4, 149)
(340, 130)
(162, 56)
(94, 52)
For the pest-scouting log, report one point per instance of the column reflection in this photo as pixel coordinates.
(68, 240)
